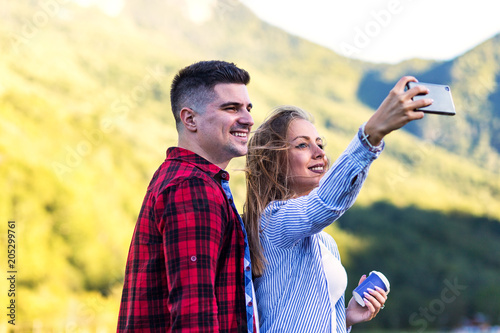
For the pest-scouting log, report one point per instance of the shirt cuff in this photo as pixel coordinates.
(364, 140)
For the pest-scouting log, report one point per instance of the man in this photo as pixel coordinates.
(188, 268)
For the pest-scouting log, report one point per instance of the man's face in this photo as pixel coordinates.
(224, 127)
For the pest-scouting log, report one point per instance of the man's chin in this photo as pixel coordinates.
(238, 151)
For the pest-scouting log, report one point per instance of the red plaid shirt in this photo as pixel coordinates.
(185, 265)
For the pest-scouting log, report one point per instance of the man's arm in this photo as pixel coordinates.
(191, 225)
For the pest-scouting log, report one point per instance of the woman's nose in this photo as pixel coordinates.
(318, 152)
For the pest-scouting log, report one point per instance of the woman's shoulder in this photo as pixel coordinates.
(271, 209)
(325, 237)
(328, 241)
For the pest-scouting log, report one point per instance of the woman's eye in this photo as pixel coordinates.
(302, 145)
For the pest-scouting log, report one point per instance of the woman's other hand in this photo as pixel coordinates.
(374, 302)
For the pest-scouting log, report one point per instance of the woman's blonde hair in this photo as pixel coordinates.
(267, 174)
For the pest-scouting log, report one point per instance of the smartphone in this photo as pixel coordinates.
(441, 94)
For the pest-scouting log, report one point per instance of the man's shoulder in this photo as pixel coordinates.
(177, 172)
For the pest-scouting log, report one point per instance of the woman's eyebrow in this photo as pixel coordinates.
(301, 137)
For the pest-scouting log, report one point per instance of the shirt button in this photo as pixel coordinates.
(193, 258)
(250, 303)
(224, 175)
(247, 268)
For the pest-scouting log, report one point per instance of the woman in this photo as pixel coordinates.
(291, 197)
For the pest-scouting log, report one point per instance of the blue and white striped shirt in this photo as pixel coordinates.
(292, 294)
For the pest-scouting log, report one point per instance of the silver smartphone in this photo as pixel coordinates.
(441, 94)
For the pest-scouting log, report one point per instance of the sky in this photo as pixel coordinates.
(387, 31)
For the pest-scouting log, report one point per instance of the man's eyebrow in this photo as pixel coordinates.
(223, 105)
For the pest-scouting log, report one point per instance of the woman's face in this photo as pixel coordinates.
(306, 158)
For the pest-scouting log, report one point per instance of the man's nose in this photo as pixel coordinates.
(246, 119)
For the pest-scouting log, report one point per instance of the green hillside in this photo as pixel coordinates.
(441, 266)
(85, 121)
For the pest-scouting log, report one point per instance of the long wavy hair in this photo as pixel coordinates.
(267, 174)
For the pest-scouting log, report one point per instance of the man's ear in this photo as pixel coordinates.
(188, 119)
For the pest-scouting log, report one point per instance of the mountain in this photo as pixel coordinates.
(473, 78)
(85, 121)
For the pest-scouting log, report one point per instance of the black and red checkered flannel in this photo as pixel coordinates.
(185, 265)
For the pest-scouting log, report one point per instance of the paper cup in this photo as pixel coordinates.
(374, 279)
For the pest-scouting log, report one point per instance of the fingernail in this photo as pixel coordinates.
(365, 293)
(370, 289)
(378, 288)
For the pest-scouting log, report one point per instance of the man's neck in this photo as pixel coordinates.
(199, 151)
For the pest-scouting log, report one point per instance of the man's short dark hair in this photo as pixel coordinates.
(193, 86)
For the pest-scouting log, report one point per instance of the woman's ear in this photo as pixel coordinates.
(188, 119)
